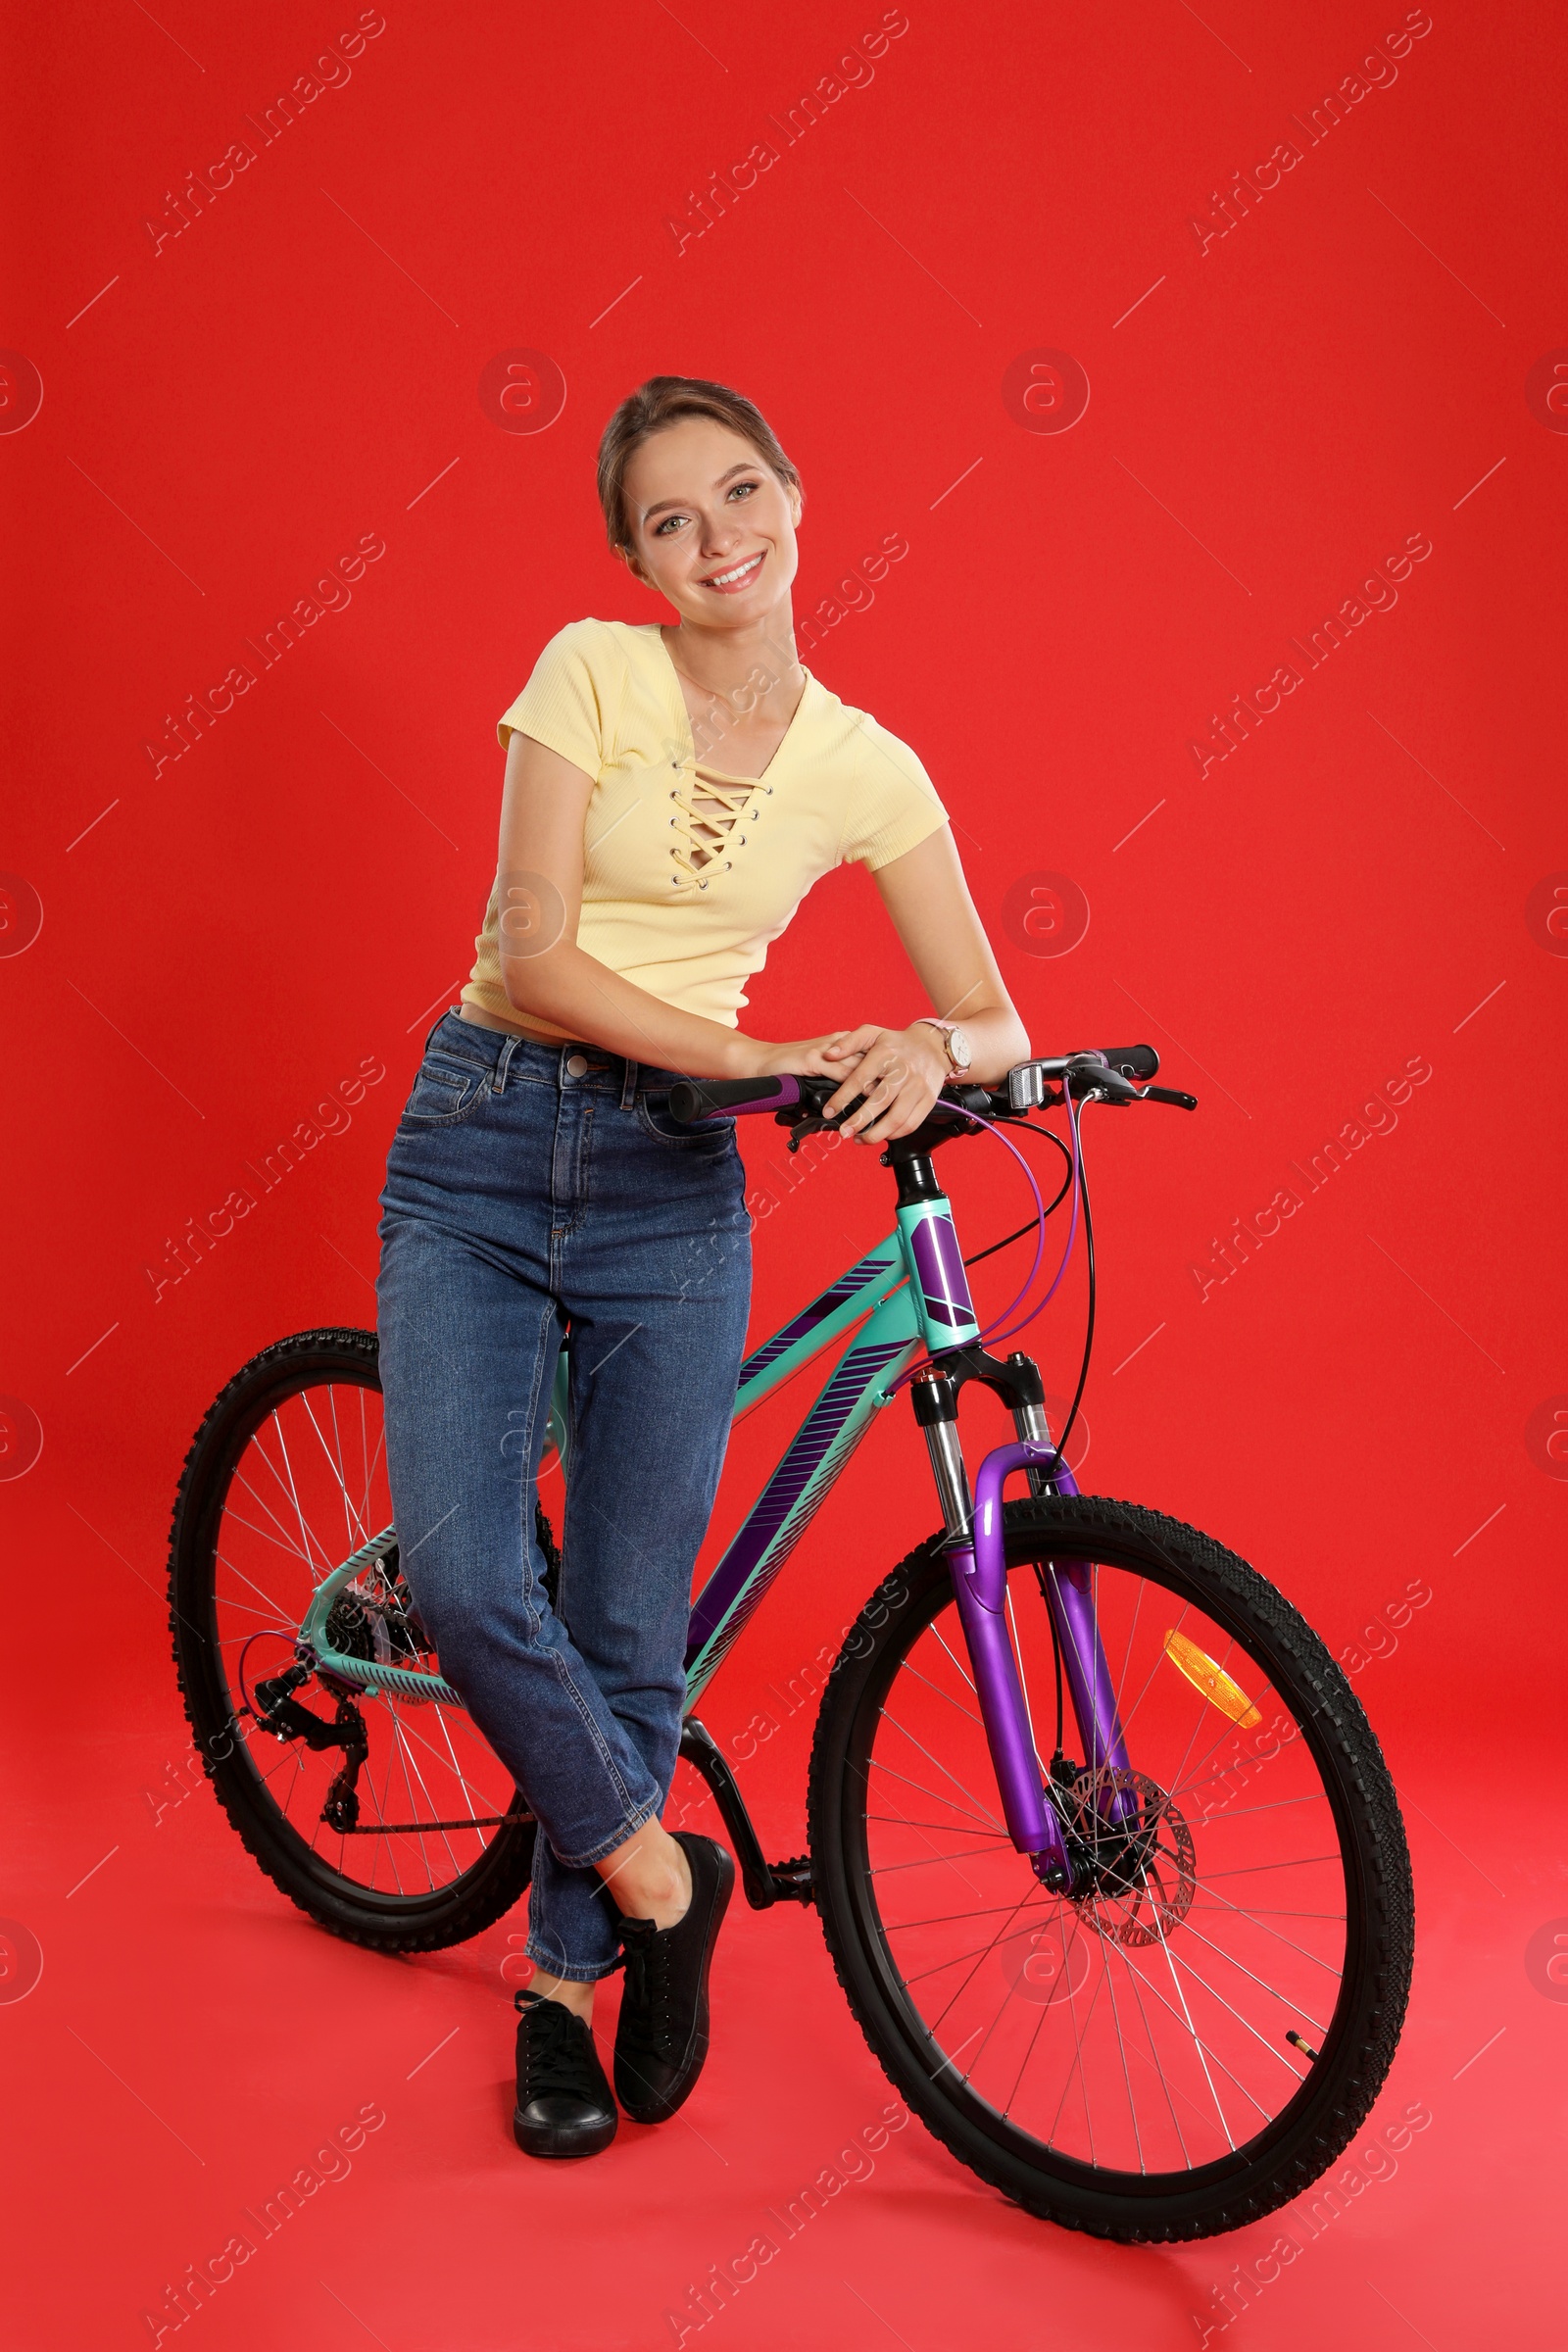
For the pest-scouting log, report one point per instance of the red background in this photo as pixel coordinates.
(225, 939)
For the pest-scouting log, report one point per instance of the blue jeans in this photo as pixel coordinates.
(531, 1188)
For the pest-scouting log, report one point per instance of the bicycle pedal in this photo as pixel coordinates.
(793, 1881)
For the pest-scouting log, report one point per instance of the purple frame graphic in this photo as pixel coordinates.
(938, 1266)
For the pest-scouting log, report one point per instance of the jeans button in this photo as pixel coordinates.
(576, 1066)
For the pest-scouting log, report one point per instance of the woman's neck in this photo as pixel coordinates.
(720, 661)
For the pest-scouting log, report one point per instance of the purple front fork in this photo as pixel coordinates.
(980, 1583)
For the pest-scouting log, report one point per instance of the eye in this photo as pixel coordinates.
(741, 489)
(671, 522)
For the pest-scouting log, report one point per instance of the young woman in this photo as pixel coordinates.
(671, 793)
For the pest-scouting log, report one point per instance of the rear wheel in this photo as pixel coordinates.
(398, 1828)
(1195, 2033)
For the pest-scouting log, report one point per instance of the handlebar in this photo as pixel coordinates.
(696, 1098)
(1045, 1083)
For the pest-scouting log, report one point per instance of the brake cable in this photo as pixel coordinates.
(1080, 1183)
(1044, 1135)
(1078, 1180)
(1038, 1224)
(1060, 1439)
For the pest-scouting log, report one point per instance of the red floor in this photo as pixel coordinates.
(193, 2044)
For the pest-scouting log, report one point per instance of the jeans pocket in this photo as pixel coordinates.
(446, 1089)
(654, 1118)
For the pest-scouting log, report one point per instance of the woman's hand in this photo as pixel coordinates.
(900, 1071)
(806, 1057)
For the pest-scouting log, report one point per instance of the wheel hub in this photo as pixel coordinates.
(378, 1625)
(1132, 1856)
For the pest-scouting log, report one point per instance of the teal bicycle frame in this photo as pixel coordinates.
(913, 1288)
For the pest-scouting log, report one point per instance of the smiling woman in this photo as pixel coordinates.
(537, 1181)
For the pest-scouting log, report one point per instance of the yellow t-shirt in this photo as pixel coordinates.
(690, 874)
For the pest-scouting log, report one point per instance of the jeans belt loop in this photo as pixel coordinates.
(628, 1087)
(509, 1047)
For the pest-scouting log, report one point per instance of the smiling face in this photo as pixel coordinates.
(713, 526)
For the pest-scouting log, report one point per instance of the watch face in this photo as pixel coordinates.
(959, 1047)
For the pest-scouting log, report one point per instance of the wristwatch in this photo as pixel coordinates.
(954, 1040)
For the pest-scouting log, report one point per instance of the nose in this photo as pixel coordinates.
(720, 533)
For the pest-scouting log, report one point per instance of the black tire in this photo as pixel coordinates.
(482, 1872)
(1331, 1744)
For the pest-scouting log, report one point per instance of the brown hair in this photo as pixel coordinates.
(663, 400)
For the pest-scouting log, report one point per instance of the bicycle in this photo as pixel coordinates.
(1108, 1862)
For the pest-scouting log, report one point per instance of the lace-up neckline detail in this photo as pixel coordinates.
(709, 818)
(711, 813)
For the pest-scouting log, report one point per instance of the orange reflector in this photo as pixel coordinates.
(1211, 1680)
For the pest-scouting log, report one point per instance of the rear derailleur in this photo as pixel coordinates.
(277, 1711)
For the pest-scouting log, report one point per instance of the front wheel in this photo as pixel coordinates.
(1195, 2034)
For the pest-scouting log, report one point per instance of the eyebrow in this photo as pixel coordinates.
(749, 466)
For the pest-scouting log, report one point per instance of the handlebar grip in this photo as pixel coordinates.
(1133, 1061)
(696, 1098)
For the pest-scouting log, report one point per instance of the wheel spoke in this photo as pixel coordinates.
(945, 1917)
(948, 1829)
(1314, 1796)
(975, 1951)
(293, 1491)
(302, 1549)
(967, 1712)
(975, 1805)
(282, 1542)
(983, 1949)
(1153, 2061)
(279, 1612)
(1258, 1917)
(1230, 1960)
(988, 1824)
(883, 1869)
(1070, 1946)
(1132, 2103)
(957, 1661)
(354, 1528)
(1076, 2070)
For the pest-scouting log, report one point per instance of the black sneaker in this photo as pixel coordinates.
(564, 2103)
(661, 2040)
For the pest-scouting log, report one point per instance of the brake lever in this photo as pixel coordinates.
(1087, 1080)
(1169, 1094)
(804, 1123)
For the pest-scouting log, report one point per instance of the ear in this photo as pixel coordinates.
(629, 558)
(796, 507)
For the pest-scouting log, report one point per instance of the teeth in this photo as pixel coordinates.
(722, 579)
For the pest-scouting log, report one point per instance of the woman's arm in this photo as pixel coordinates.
(544, 810)
(925, 893)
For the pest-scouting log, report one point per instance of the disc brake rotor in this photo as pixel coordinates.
(1140, 1871)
